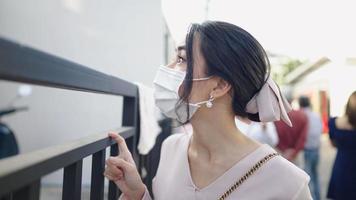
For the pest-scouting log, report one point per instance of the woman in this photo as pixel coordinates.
(221, 72)
(342, 132)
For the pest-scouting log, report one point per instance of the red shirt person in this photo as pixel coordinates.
(292, 139)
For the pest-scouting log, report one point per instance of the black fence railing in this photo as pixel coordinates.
(20, 175)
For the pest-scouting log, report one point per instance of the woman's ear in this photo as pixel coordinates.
(221, 88)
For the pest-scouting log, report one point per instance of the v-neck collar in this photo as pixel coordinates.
(233, 168)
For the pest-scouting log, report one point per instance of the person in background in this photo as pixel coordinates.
(342, 133)
(292, 139)
(263, 132)
(312, 145)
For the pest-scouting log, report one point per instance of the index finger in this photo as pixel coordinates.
(120, 143)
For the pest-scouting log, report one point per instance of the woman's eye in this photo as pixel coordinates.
(180, 60)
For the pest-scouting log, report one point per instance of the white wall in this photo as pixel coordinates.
(342, 84)
(337, 78)
(121, 38)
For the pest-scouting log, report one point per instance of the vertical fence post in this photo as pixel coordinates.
(72, 181)
(129, 118)
(6, 197)
(29, 192)
(113, 191)
(97, 177)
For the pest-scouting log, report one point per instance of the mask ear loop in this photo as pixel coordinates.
(208, 103)
(202, 79)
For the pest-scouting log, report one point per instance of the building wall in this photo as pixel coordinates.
(121, 38)
(337, 79)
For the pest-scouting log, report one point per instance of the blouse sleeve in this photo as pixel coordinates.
(146, 196)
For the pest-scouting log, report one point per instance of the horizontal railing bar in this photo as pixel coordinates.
(20, 170)
(24, 64)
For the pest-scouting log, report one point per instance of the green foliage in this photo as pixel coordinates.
(290, 65)
(285, 68)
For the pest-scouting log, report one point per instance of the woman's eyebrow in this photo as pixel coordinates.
(180, 48)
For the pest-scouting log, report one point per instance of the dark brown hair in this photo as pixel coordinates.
(304, 101)
(234, 55)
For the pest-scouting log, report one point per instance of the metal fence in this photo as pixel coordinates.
(20, 175)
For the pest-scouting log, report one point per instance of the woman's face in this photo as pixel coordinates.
(200, 89)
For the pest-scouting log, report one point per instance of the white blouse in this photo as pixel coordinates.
(276, 179)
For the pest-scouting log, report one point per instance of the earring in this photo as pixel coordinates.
(209, 103)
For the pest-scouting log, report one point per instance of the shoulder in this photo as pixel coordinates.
(332, 120)
(171, 143)
(286, 170)
(171, 147)
(172, 152)
(298, 118)
(291, 178)
(283, 177)
(299, 115)
(342, 123)
(175, 139)
(285, 167)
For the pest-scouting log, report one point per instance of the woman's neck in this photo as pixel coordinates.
(218, 137)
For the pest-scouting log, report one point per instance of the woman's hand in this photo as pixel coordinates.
(122, 171)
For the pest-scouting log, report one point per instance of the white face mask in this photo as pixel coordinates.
(166, 86)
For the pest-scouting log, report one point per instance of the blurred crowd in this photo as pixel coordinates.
(305, 136)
